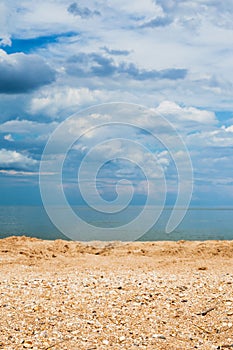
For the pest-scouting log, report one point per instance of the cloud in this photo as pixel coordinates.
(157, 22)
(217, 138)
(9, 138)
(83, 12)
(229, 128)
(176, 113)
(20, 73)
(59, 102)
(21, 127)
(95, 64)
(13, 160)
(25, 135)
(63, 99)
(168, 5)
(206, 138)
(116, 52)
(189, 5)
(4, 18)
(186, 11)
(142, 74)
(22, 173)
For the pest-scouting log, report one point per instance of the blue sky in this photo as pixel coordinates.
(58, 57)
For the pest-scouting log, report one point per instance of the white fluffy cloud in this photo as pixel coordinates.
(216, 138)
(4, 17)
(62, 99)
(26, 127)
(9, 138)
(176, 113)
(15, 160)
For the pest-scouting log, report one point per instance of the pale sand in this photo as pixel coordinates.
(152, 295)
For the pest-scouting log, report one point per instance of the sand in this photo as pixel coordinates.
(151, 295)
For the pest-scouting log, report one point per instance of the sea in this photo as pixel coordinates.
(198, 224)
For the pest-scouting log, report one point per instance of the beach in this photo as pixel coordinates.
(113, 295)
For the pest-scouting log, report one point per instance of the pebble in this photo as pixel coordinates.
(159, 336)
(27, 344)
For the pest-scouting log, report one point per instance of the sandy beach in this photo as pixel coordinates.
(147, 295)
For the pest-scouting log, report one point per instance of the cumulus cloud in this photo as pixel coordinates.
(4, 20)
(64, 98)
(142, 74)
(23, 173)
(175, 113)
(95, 64)
(25, 127)
(58, 102)
(116, 52)
(189, 5)
(217, 138)
(83, 12)
(20, 73)
(229, 128)
(157, 22)
(5, 40)
(13, 160)
(186, 11)
(168, 5)
(9, 138)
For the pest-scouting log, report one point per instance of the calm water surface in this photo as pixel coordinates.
(198, 224)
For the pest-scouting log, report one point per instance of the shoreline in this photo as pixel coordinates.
(102, 295)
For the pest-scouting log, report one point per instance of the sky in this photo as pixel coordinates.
(60, 57)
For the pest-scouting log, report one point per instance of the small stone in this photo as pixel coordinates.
(159, 336)
(27, 344)
(202, 268)
(105, 342)
(122, 338)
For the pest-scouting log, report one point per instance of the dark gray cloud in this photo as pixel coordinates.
(94, 64)
(20, 73)
(83, 12)
(157, 22)
(91, 64)
(116, 52)
(142, 74)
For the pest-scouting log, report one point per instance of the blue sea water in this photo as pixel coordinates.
(198, 223)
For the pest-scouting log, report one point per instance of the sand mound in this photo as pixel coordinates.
(35, 248)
